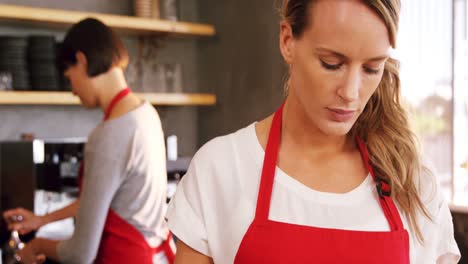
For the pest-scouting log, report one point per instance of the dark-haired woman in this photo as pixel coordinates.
(120, 216)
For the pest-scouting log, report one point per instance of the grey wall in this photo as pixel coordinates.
(123, 7)
(58, 121)
(242, 64)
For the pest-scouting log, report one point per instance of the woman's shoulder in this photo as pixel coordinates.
(437, 230)
(244, 144)
(223, 149)
(430, 191)
(142, 120)
(225, 164)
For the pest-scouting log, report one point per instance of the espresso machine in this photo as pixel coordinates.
(41, 176)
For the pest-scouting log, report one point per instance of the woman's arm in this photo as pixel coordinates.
(103, 178)
(31, 222)
(65, 212)
(186, 254)
(103, 175)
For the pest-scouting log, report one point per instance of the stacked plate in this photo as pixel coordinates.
(13, 54)
(63, 82)
(42, 63)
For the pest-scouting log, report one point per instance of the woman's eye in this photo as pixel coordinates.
(329, 66)
(371, 70)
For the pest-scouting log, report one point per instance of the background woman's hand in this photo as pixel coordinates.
(29, 254)
(23, 220)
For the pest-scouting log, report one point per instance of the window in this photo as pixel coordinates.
(460, 107)
(432, 49)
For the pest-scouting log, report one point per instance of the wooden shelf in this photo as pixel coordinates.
(57, 18)
(67, 98)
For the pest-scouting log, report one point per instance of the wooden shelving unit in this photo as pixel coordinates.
(67, 98)
(62, 19)
(56, 18)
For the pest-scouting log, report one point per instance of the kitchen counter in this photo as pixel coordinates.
(460, 224)
(458, 208)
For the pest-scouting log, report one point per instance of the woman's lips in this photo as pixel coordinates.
(340, 115)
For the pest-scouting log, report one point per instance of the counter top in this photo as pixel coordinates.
(458, 208)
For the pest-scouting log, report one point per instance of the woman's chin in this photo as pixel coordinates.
(333, 128)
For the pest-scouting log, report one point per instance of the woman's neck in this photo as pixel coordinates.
(109, 84)
(300, 133)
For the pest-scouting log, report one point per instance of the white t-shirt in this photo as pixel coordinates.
(216, 200)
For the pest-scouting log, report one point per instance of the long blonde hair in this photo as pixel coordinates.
(383, 125)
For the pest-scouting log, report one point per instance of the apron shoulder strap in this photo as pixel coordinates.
(269, 167)
(383, 190)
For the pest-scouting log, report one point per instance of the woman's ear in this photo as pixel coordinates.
(81, 58)
(287, 42)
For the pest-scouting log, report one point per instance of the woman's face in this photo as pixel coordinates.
(337, 63)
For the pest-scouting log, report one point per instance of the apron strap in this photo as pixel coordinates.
(269, 167)
(383, 190)
(115, 100)
(166, 248)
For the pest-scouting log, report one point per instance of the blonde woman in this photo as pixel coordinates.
(334, 175)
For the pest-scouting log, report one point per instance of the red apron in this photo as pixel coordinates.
(121, 242)
(268, 241)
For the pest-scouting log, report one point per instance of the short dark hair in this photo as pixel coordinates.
(99, 43)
